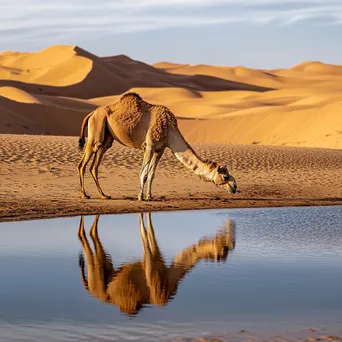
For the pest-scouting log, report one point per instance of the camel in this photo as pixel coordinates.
(135, 123)
(148, 281)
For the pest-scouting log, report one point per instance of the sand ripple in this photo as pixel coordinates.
(39, 178)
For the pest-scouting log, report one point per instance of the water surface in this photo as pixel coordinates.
(181, 274)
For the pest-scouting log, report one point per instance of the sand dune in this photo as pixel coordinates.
(18, 95)
(50, 91)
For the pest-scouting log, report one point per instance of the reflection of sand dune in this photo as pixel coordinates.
(149, 281)
(299, 106)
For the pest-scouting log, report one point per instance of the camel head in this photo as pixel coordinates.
(218, 247)
(224, 179)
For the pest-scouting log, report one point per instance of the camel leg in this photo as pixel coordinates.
(94, 169)
(93, 229)
(88, 253)
(154, 267)
(88, 153)
(99, 251)
(104, 269)
(143, 234)
(151, 173)
(85, 243)
(147, 251)
(95, 283)
(149, 151)
(152, 238)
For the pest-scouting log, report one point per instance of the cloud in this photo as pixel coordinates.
(35, 19)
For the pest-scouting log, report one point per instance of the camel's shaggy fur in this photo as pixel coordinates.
(147, 281)
(135, 123)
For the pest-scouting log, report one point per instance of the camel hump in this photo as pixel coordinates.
(129, 103)
(131, 95)
(162, 121)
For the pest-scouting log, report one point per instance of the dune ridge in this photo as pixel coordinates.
(50, 92)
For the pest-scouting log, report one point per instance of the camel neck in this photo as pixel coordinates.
(188, 157)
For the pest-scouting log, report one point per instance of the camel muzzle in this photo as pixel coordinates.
(231, 185)
(231, 188)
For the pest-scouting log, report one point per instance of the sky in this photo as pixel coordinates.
(253, 33)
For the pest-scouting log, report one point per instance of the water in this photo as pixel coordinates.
(254, 269)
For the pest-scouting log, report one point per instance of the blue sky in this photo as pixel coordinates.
(253, 33)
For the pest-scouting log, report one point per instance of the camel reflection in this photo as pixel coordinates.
(148, 281)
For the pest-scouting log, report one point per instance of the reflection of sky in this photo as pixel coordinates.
(255, 33)
(120, 232)
(285, 269)
(275, 229)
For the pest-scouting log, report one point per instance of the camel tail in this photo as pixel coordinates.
(81, 264)
(81, 140)
(81, 143)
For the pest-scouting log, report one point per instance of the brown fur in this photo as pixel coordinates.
(148, 281)
(136, 123)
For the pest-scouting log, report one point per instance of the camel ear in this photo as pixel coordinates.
(222, 169)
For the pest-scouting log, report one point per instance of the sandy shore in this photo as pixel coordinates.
(39, 179)
(307, 335)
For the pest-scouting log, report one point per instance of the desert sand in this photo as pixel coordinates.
(303, 335)
(279, 131)
(39, 178)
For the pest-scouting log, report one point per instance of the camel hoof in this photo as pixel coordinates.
(140, 198)
(85, 196)
(149, 199)
(106, 197)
